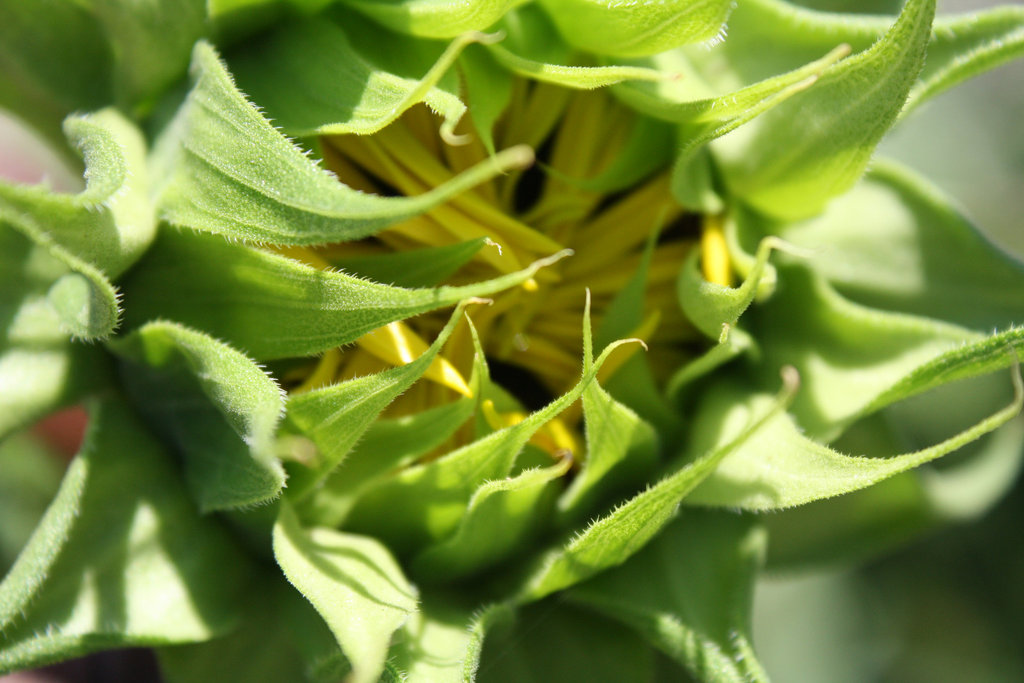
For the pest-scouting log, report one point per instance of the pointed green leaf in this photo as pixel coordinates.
(709, 305)
(351, 87)
(732, 343)
(848, 355)
(607, 27)
(500, 519)
(781, 467)
(121, 558)
(614, 538)
(214, 404)
(229, 171)
(273, 307)
(353, 582)
(488, 91)
(433, 19)
(426, 267)
(689, 594)
(960, 47)
(336, 416)
(111, 222)
(425, 503)
(387, 445)
(533, 49)
(621, 447)
(816, 144)
(441, 642)
(935, 262)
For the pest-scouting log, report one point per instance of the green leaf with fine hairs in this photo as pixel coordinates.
(217, 406)
(710, 305)
(228, 170)
(781, 467)
(689, 593)
(853, 359)
(816, 144)
(425, 503)
(441, 642)
(619, 29)
(353, 582)
(388, 444)
(500, 520)
(432, 19)
(935, 262)
(621, 447)
(269, 306)
(533, 49)
(614, 538)
(41, 370)
(30, 474)
(426, 267)
(869, 521)
(352, 87)
(122, 558)
(111, 222)
(960, 46)
(336, 416)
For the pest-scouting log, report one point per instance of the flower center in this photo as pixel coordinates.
(531, 334)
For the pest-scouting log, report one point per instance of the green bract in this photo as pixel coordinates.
(316, 453)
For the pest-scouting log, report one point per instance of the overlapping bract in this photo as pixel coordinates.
(865, 287)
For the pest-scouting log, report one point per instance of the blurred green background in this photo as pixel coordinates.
(946, 607)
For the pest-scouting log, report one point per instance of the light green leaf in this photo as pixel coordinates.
(847, 355)
(611, 540)
(229, 171)
(731, 343)
(869, 521)
(500, 519)
(426, 267)
(214, 404)
(607, 27)
(120, 559)
(441, 642)
(689, 594)
(351, 87)
(960, 46)
(425, 503)
(40, 369)
(387, 445)
(336, 416)
(488, 91)
(709, 305)
(79, 299)
(353, 582)
(434, 18)
(935, 262)
(621, 447)
(150, 43)
(816, 144)
(533, 49)
(781, 467)
(111, 222)
(966, 46)
(273, 307)
(54, 61)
